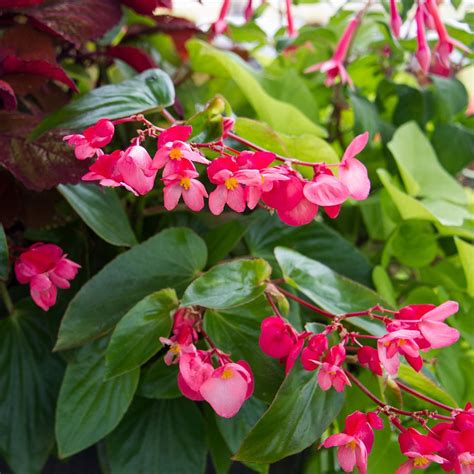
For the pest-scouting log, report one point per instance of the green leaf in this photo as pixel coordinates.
(414, 156)
(304, 147)
(222, 239)
(147, 91)
(218, 449)
(159, 381)
(315, 240)
(413, 243)
(136, 338)
(454, 145)
(281, 116)
(170, 259)
(236, 331)
(228, 284)
(466, 254)
(207, 124)
(383, 285)
(451, 97)
(297, 417)
(101, 210)
(3, 254)
(30, 376)
(88, 407)
(386, 456)
(425, 385)
(159, 437)
(328, 289)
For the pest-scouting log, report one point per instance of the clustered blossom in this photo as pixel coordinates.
(242, 180)
(412, 329)
(225, 387)
(45, 267)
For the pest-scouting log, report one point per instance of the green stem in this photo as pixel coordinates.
(6, 298)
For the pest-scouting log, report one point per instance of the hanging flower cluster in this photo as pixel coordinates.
(410, 330)
(45, 268)
(225, 386)
(242, 179)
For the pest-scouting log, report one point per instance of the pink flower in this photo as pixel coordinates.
(356, 441)
(330, 374)
(131, 169)
(352, 173)
(397, 343)
(428, 320)
(220, 25)
(395, 20)
(228, 387)
(92, 140)
(289, 17)
(194, 369)
(225, 173)
(423, 53)
(317, 345)
(248, 12)
(277, 337)
(419, 449)
(173, 151)
(368, 357)
(334, 67)
(46, 268)
(186, 185)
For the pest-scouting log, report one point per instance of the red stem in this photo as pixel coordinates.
(273, 305)
(423, 397)
(305, 303)
(289, 18)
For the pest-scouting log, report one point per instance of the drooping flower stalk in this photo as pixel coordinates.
(423, 53)
(395, 19)
(289, 19)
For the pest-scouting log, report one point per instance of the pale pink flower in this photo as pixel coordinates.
(104, 170)
(46, 268)
(326, 190)
(394, 344)
(194, 369)
(92, 140)
(330, 373)
(186, 185)
(220, 25)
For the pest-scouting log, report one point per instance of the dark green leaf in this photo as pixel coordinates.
(159, 437)
(222, 239)
(136, 338)
(88, 407)
(149, 90)
(236, 331)
(4, 254)
(207, 124)
(228, 284)
(101, 210)
(451, 97)
(297, 417)
(218, 449)
(170, 259)
(327, 289)
(30, 376)
(159, 381)
(315, 240)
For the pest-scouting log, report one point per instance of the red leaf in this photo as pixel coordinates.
(133, 56)
(41, 164)
(7, 95)
(76, 21)
(147, 7)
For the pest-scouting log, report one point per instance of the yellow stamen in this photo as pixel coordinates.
(231, 184)
(185, 183)
(352, 444)
(175, 154)
(402, 342)
(175, 348)
(227, 373)
(420, 461)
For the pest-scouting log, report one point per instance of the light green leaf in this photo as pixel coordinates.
(88, 407)
(30, 376)
(328, 289)
(466, 254)
(159, 437)
(136, 338)
(297, 417)
(228, 284)
(414, 156)
(170, 259)
(101, 210)
(281, 116)
(147, 91)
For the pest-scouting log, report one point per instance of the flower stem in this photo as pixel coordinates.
(423, 397)
(305, 303)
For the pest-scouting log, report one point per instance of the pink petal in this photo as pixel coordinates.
(353, 174)
(324, 379)
(361, 458)
(438, 334)
(217, 199)
(347, 458)
(338, 439)
(186, 390)
(303, 213)
(171, 195)
(326, 190)
(177, 132)
(443, 311)
(253, 196)
(405, 468)
(356, 146)
(236, 199)
(194, 196)
(391, 364)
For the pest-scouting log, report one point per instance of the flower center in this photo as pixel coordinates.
(402, 342)
(227, 374)
(420, 461)
(185, 183)
(352, 444)
(175, 349)
(175, 154)
(231, 184)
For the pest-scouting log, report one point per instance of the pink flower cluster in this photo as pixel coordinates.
(225, 387)
(356, 441)
(241, 181)
(45, 268)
